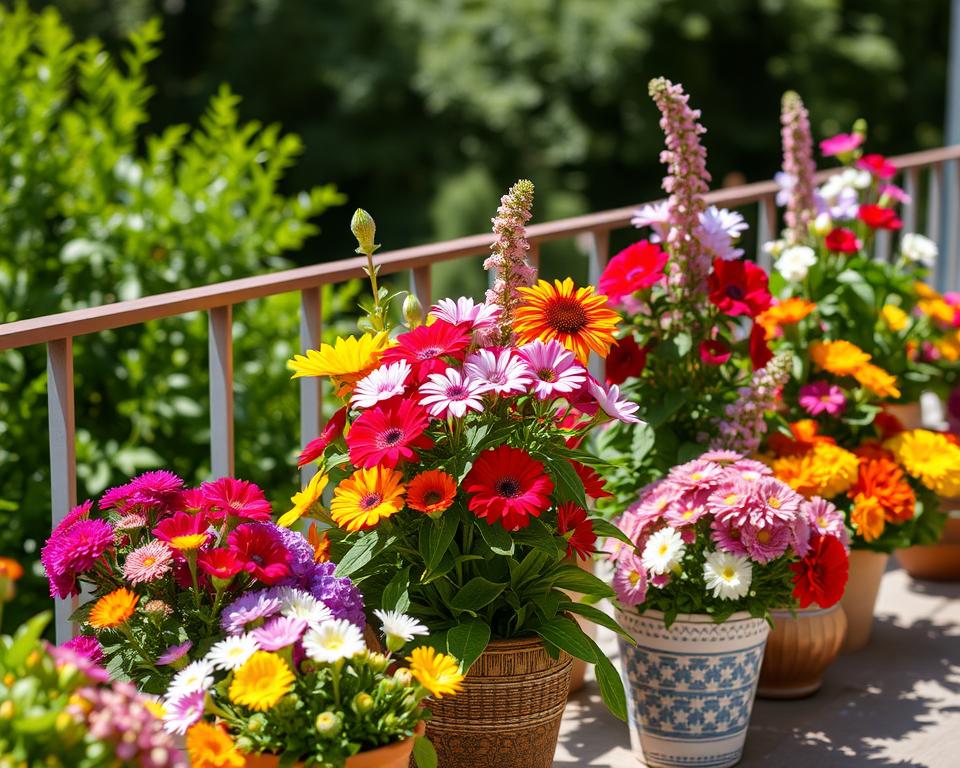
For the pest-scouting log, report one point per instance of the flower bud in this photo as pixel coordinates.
(403, 677)
(327, 724)
(860, 127)
(378, 662)
(362, 703)
(412, 312)
(7, 710)
(256, 723)
(822, 225)
(364, 228)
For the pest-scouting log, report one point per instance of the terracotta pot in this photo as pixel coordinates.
(578, 672)
(799, 650)
(860, 597)
(690, 688)
(908, 414)
(508, 713)
(937, 562)
(391, 756)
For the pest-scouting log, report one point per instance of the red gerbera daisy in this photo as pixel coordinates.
(878, 165)
(636, 267)
(627, 359)
(739, 288)
(236, 498)
(592, 482)
(578, 531)
(878, 217)
(822, 575)
(315, 448)
(426, 347)
(219, 563)
(506, 484)
(260, 551)
(387, 434)
(841, 240)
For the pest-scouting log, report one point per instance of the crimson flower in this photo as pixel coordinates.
(842, 240)
(878, 217)
(388, 434)
(315, 448)
(426, 347)
(714, 352)
(570, 420)
(636, 267)
(220, 563)
(572, 519)
(739, 288)
(822, 575)
(626, 359)
(260, 551)
(506, 484)
(184, 532)
(236, 498)
(878, 166)
(760, 352)
(592, 482)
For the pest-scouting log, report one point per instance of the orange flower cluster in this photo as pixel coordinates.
(881, 494)
(786, 312)
(841, 358)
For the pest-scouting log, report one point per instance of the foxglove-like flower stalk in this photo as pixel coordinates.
(799, 166)
(743, 424)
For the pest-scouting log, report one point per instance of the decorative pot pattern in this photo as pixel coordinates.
(508, 713)
(937, 562)
(799, 650)
(691, 687)
(860, 598)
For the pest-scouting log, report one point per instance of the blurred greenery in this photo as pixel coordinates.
(421, 111)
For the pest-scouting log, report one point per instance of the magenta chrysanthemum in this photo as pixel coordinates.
(157, 488)
(74, 551)
(235, 498)
(148, 563)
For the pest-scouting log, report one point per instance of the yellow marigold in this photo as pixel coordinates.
(825, 470)
(303, 500)
(346, 362)
(786, 312)
(112, 610)
(949, 347)
(877, 380)
(894, 317)
(840, 358)
(924, 291)
(938, 310)
(929, 457)
(209, 746)
(867, 517)
(261, 682)
(438, 673)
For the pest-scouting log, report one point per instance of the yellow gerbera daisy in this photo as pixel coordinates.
(877, 380)
(949, 347)
(261, 682)
(438, 673)
(210, 746)
(346, 362)
(366, 497)
(303, 500)
(930, 457)
(840, 358)
(576, 317)
(112, 610)
(894, 317)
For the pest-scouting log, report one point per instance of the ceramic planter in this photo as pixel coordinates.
(391, 756)
(860, 597)
(508, 713)
(799, 650)
(937, 562)
(691, 687)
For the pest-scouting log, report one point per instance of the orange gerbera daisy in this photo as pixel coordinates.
(367, 497)
(112, 610)
(877, 380)
(883, 480)
(867, 517)
(210, 746)
(786, 312)
(576, 317)
(431, 492)
(840, 358)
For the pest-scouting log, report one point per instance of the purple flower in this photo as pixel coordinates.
(248, 608)
(744, 420)
(554, 368)
(822, 397)
(174, 653)
(718, 231)
(302, 563)
(339, 595)
(279, 632)
(183, 711)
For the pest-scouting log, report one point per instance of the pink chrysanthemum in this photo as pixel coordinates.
(554, 368)
(751, 470)
(464, 310)
(826, 518)
(73, 552)
(696, 475)
(686, 510)
(116, 498)
(822, 397)
(778, 502)
(767, 543)
(235, 498)
(451, 394)
(630, 580)
(721, 456)
(148, 563)
(130, 522)
(183, 711)
(87, 646)
(80, 512)
(384, 383)
(608, 398)
(726, 535)
(499, 371)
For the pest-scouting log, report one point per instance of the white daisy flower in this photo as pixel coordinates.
(398, 628)
(232, 652)
(919, 249)
(795, 262)
(332, 641)
(298, 604)
(664, 551)
(381, 384)
(728, 576)
(196, 676)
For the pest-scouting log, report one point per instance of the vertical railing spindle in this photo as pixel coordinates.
(63, 455)
(911, 185)
(533, 255)
(934, 190)
(766, 224)
(598, 253)
(311, 391)
(221, 391)
(952, 251)
(421, 284)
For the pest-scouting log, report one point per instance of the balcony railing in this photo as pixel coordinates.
(925, 176)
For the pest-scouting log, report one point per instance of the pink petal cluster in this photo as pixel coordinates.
(799, 165)
(744, 424)
(822, 397)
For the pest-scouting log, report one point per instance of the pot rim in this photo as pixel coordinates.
(690, 618)
(811, 610)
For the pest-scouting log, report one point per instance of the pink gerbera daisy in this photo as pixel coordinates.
(260, 550)
(148, 563)
(630, 580)
(451, 394)
(464, 310)
(608, 398)
(388, 434)
(499, 371)
(235, 498)
(427, 348)
(385, 382)
(822, 397)
(554, 368)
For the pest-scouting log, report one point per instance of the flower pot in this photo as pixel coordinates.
(395, 755)
(508, 713)
(578, 671)
(908, 414)
(690, 688)
(937, 562)
(799, 650)
(860, 597)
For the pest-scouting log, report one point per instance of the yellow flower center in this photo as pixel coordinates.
(774, 502)
(731, 499)
(634, 577)
(728, 574)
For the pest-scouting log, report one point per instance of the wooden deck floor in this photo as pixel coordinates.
(896, 703)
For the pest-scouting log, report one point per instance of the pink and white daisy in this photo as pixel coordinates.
(499, 371)
(778, 502)
(822, 397)
(182, 711)
(686, 510)
(279, 632)
(385, 382)
(196, 676)
(451, 394)
(767, 543)
(752, 470)
(174, 653)
(464, 310)
(608, 398)
(148, 563)
(630, 580)
(554, 368)
(825, 518)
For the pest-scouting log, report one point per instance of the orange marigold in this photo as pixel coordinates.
(114, 609)
(210, 746)
(867, 517)
(786, 312)
(877, 380)
(804, 436)
(841, 358)
(883, 479)
(825, 470)
(937, 309)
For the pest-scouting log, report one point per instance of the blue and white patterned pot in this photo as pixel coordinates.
(690, 688)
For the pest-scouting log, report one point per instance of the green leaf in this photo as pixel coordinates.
(569, 484)
(496, 537)
(611, 687)
(604, 528)
(575, 579)
(475, 594)
(538, 536)
(566, 634)
(644, 439)
(527, 568)
(396, 595)
(423, 753)
(25, 640)
(467, 640)
(440, 536)
(597, 617)
(369, 545)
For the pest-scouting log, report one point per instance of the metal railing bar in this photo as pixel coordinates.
(311, 393)
(934, 191)
(421, 284)
(221, 391)
(952, 250)
(533, 255)
(766, 227)
(911, 185)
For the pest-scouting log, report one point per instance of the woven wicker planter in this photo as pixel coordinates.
(391, 756)
(508, 714)
(860, 597)
(937, 562)
(799, 650)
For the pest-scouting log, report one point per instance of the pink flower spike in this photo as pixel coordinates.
(451, 394)
(478, 316)
(608, 398)
(554, 368)
(385, 382)
(499, 371)
(822, 397)
(236, 498)
(840, 144)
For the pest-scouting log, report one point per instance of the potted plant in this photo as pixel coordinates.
(161, 561)
(456, 497)
(57, 707)
(715, 545)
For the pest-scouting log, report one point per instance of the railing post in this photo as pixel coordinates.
(766, 223)
(951, 207)
(311, 392)
(221, 391)
(911, 185)
(421, 285)
(598, 252)
(934, 191)
(533, 255)
(63, 456)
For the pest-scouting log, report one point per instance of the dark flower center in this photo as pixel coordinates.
(432, 497)
(547, 374)
(457, 392)
(428, 353)
(735, 292)
(370, 501)
(390, 437)
(566, 315)
(508, 487)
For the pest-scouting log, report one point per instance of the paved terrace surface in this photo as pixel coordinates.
(895, 703)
